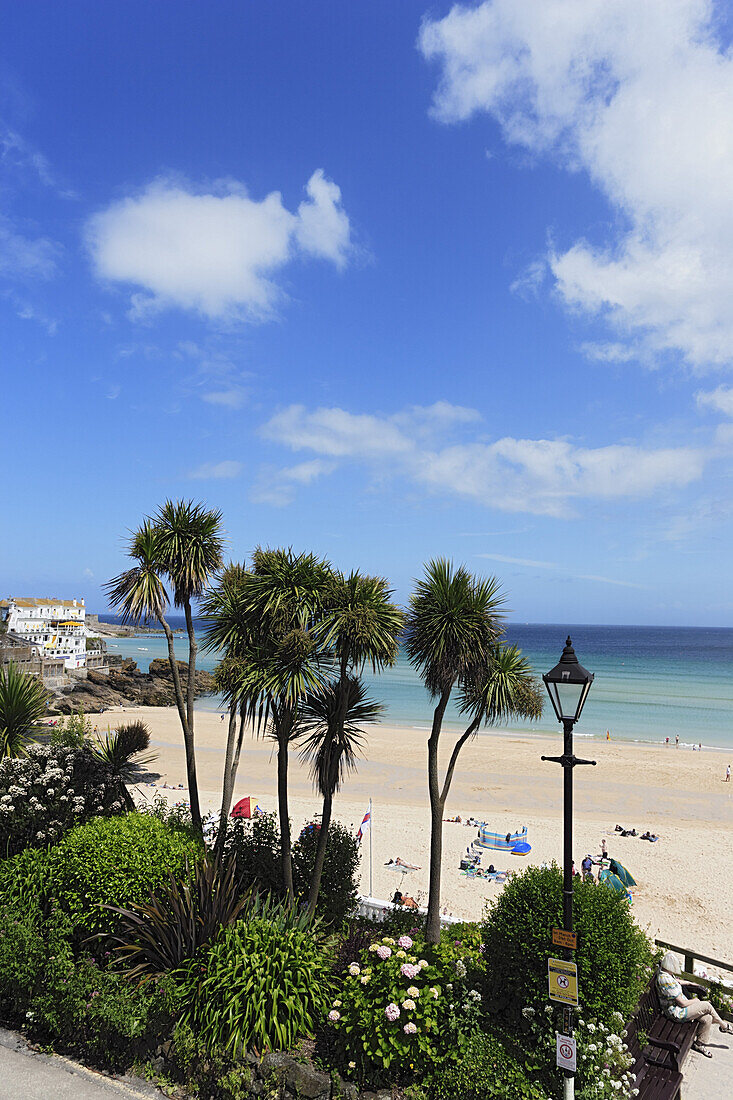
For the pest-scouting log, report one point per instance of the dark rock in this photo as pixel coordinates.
(308, 1082)
(126, 685)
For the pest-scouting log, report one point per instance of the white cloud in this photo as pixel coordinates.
(639, 96)
(216, 253)
(720, 399)
(528, 563)
(232, 398)
(24, 257)
(278, 487)
(540, 476)
(215, 470)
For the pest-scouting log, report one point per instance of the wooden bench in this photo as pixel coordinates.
(658, 1063)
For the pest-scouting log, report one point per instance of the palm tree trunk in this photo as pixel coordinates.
(177, 689)
(437, 802)
(238, 750)
(227, 784)
(282, 729)
(188, 736)
(321, 846)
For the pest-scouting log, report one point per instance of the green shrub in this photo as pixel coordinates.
(24, 878)
(96, 1013)
(256, 845)
(22, 958)
(338, 893)
(614, 956)
(401, 1011)
(115, 861)
(263, 983)
(487, 1070)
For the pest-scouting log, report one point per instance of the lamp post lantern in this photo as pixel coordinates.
(568, 684)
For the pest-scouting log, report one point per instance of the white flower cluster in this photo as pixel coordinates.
(37, 800)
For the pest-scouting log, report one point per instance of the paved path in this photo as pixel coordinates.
(26, 1075)
(710, 1078)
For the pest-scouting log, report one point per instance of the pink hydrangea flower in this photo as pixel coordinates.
(334, 1016)
(409, 970)
(383, 951)
(405, 941)
(409, 1029)
(392, 1012)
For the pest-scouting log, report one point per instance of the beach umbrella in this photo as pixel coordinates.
(618, 869)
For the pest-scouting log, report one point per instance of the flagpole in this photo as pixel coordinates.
(371, 825)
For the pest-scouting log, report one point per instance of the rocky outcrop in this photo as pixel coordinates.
(126, 685)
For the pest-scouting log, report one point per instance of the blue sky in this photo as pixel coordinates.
(384, 281)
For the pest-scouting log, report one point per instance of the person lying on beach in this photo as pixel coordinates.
(649, 836)
(677, 1006)
(402, 863)
(408, 902)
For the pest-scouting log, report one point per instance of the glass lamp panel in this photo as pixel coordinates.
(568, 697)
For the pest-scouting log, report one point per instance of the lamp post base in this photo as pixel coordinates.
(568, 1092)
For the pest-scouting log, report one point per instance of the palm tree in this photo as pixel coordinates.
(267, 620)
(361, 626)
(190, 544)
(453, 637)
(331, 725)
(124, 750)
(182, 541)
(22, 705)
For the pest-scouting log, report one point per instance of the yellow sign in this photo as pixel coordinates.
(562, 980)
(561, 938)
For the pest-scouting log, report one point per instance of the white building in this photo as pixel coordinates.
(53, 628)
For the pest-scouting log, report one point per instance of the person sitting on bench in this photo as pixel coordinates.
(677, 1006)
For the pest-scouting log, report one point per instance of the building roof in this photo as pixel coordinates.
(40, 601)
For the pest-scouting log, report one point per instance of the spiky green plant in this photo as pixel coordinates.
(263, 983)
(125, 749)
(22, 706)
(159, 935)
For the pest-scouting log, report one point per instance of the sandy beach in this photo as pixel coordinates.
(685, 880)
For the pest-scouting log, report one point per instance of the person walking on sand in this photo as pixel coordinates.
(727, 774)
(676, 740)
(604, 849)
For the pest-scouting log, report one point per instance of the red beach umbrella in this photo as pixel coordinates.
(243, 808)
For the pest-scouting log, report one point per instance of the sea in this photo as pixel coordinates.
(650, 682)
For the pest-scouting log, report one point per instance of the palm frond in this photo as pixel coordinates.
(361, 622)
(22, 705)
(190, 544)
(138, 594)
(126, 748)
(454, 621)
(501, 689)
(331, 745)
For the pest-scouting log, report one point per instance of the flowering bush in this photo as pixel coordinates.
(49, 790)
(604, 1061)
(398, 1014)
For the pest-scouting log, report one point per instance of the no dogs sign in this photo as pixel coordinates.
(562, 981)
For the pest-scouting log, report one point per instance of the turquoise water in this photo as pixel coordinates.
(650, 682)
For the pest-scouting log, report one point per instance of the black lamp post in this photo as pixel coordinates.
(568, 684)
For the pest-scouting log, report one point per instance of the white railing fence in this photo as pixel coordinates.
(377, 909)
